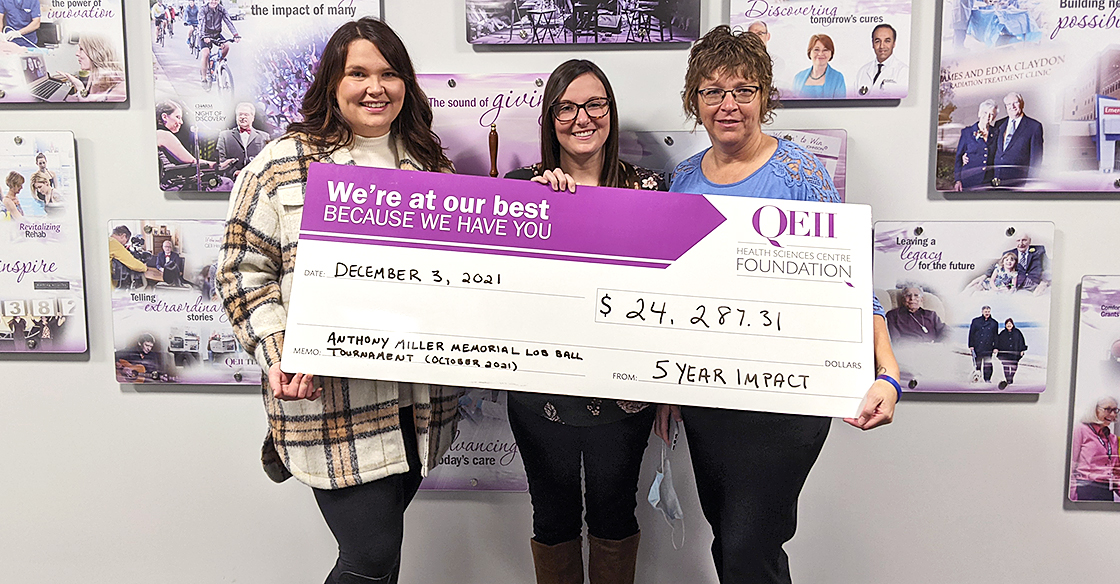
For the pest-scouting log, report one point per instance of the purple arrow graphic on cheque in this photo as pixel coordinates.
(507, 217)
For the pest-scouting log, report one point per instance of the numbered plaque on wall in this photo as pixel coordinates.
(42, 287)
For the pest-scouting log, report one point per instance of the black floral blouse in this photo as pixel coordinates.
(584, 411)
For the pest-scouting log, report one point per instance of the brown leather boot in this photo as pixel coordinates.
(558, 564)
(612, 561)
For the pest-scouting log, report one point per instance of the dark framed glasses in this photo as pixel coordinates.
(566, 111)
(741, 95)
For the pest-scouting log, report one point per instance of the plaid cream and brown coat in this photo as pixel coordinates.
(351, 434)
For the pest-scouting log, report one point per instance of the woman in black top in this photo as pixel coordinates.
(1010, 346)
(579, 146)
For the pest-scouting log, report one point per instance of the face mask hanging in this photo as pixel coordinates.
(663, 497)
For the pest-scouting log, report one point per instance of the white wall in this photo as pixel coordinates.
(100, 482)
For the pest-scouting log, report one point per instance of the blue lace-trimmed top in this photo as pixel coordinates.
(792, 173)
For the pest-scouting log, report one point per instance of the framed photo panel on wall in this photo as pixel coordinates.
(529, 23)
(62, 52)
(42, 281)
(1029, 97)
(835, 49)
(968, 303)
(229, 77)
(487, 118)
(168, 321)
(1093, 456)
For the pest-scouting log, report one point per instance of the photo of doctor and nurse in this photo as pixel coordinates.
(840, 66)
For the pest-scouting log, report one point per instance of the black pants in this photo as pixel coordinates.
(612, 458)
(1093, 491)
(984, 361)
(750, 467)
(1010, 366)
(368, 520)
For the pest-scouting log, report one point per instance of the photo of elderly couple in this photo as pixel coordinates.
(967, 303)
(1028, 98)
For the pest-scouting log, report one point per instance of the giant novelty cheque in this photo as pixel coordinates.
(719, 301)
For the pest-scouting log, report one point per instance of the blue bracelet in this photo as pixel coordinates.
(893, 382)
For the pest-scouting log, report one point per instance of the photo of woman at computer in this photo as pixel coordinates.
(76, 58)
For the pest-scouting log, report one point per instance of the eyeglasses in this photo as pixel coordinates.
(1111, 410)
(566, 111)
(741, 95)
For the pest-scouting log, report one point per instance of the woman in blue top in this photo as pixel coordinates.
(820, 81)
(750, 466)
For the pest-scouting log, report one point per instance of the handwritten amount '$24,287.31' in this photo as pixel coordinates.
(655, 312)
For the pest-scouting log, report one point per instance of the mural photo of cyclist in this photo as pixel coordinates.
(231, 58)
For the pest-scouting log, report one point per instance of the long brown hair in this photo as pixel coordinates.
(323, 124)
(612, 174)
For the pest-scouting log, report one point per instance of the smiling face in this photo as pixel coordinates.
(84, 62)
(985, 117)
(244, 118)
(1023, 242)
(730, 124)
(174, 120)
(819, 54)
(1009, 262)
(1009, 325)
(883, 43)
(371, 93)
(583, 136)
(167, 247)
(41, 162)
(759, 29)
(1014, 106)
(1107, 411)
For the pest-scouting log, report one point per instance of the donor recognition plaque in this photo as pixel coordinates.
(728, 302)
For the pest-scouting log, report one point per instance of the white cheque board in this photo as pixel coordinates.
(727, 302)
